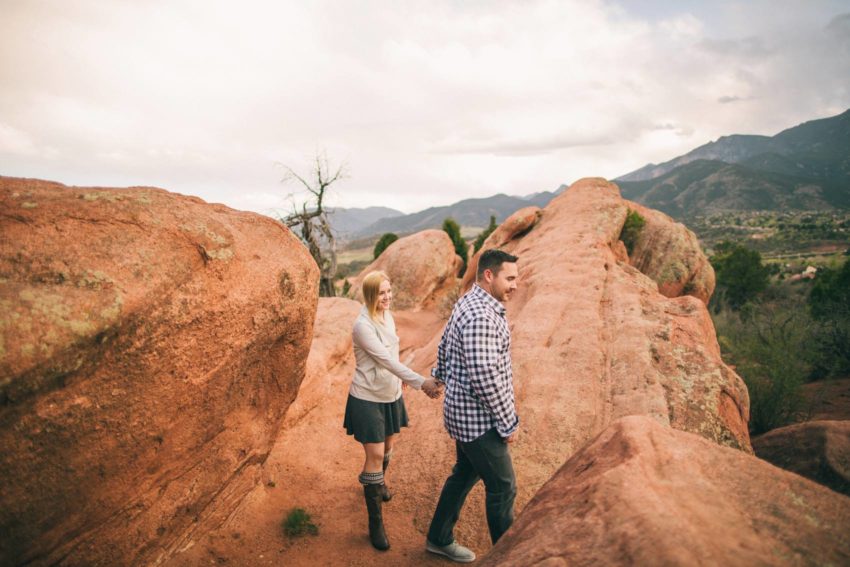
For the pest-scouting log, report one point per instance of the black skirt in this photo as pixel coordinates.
(373, 422)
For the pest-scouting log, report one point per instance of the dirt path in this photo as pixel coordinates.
(314, 465)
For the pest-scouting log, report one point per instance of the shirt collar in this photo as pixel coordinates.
(488, 299)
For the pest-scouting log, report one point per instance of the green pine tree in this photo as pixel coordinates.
(453, 230)
(383, 242)
(479, 242)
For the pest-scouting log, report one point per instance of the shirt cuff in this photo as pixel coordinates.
(505, 433)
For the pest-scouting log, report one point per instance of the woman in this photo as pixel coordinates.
(375, 411)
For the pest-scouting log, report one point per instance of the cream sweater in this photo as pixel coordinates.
(378, 374)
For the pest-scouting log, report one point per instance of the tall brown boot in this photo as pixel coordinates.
(374, 497)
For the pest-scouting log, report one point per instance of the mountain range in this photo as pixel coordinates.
(347, 222)
(356, 223)
(806, 167)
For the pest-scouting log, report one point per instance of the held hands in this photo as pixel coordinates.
(432, 388)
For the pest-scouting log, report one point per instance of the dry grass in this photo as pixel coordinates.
(356, 255)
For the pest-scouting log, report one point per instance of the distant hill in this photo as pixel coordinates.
(705, 186)
(729, 149)
(469, 212)
(827, 139)
(804, 167)
(346, 222)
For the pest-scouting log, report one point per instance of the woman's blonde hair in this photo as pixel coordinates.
(370, 287)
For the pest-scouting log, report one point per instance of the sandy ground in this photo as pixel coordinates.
(314, 465)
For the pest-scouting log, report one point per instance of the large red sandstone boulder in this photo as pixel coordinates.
(645, 494)
(151, 344)
(671, 254)
(423, 268)
(819, 450)
(593, 341)
(514, 226)
(828, 399)
(331, 355)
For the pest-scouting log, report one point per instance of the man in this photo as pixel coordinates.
(474, 363)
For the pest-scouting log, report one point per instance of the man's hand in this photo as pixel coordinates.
(511, 438)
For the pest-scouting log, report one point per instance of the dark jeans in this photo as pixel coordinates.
(486, 458)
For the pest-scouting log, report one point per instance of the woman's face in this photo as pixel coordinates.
(385, 295)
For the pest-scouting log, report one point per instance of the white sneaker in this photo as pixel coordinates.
(454, 551)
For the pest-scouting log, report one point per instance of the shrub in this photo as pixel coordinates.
(831, 292)
(767, 343)
(447, 304)
(741, 276)
(453, 230)
(774, 400)
(829, 304)
(631, 230)
(383, 242)
(351, 268)
(479, 241)
(298, 523)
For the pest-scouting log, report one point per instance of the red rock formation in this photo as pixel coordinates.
(645, 494)
(670, 254)
(331, 356)
(151, 345)
(423, 268)
(819, 450)
(828, 399)
(593, 341)
(514, 226)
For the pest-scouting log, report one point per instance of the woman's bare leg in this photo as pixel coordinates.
(374, 457)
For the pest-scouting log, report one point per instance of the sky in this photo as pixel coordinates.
(423, 103)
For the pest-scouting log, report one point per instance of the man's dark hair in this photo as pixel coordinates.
(492, 260)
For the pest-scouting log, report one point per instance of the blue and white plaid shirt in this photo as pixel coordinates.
(474, 361)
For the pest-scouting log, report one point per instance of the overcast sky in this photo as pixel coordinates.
(426, 102)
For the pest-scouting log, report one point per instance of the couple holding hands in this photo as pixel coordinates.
(473, 371)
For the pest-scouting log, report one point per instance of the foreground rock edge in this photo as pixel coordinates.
(161, 427)
(644, 493)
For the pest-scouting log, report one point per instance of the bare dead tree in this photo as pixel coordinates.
(310, 219)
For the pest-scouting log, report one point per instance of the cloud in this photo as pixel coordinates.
(428, 102)
(840, 25)
(838, 31)
(539, 146)
(746, 48)
(15, 142)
